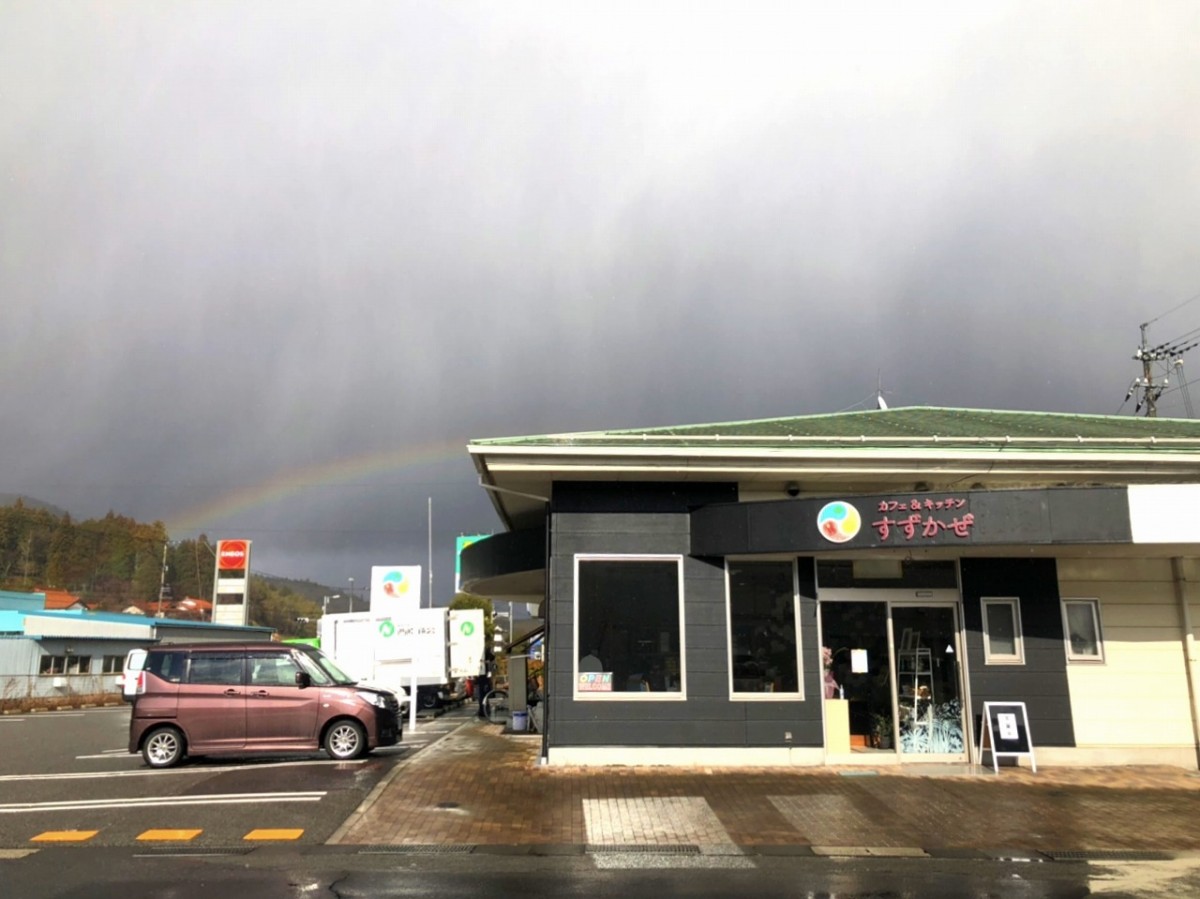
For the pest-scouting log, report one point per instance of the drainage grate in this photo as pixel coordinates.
(644, 848)
(1111, 855)
(421, 849)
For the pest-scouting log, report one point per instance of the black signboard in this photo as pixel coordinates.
(1006, 733)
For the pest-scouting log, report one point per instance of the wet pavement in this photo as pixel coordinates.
(481, 786)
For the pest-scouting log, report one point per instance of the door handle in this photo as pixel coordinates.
(261, 693)
(232, 692)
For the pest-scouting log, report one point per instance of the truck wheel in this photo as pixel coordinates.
(427, 700)
(163, 747)
(345, 740)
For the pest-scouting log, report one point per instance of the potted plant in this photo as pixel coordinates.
(881, 726)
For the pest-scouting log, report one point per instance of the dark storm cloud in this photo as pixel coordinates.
(245, 245)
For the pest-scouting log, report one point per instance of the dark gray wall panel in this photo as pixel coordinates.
(708, 717)
(1041, 683)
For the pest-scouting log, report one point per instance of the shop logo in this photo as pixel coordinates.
(467, 628)
(395, 583)
(838, 522)
(231, 555)
(386, 628)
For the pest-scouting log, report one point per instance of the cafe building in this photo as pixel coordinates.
(853, 588)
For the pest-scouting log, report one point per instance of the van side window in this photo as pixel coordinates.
(167, 665)
(273, 670)
(216, 668)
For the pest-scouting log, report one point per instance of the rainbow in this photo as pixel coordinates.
(222, 508)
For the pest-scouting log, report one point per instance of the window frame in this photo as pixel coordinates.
(745, 696)
(1094, 604)
(208, 657)
(57, 665)
(627, 696)
(995, 658)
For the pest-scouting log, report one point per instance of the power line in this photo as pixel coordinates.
(1190, 299)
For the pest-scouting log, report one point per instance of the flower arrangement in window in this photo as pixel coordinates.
(833, 689)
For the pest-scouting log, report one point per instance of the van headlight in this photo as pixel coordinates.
(376, 699)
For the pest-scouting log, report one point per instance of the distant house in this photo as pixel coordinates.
(61, 601)
(192, 608)
(853, 588)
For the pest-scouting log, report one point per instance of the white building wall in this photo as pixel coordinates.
(1138, 696)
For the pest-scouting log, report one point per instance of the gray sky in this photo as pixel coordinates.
(266, 267)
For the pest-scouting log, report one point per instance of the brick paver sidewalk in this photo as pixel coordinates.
(480, 786)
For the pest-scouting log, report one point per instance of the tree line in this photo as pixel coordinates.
(113, 562)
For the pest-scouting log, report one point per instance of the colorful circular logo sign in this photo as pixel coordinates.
(386, 628)
(395, 583)
(838, 522)
(467, 628)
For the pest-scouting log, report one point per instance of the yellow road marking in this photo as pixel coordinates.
(171, 835)
(64, 836)
(267, 834)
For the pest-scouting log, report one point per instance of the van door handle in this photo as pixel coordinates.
(261, 693)
(232, 692)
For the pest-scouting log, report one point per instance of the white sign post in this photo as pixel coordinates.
(417, 637)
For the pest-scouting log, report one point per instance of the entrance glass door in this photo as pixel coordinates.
(929, 704)
(857, 677)
(891, 676)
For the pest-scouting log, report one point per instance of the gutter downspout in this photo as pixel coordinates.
(1179, 576)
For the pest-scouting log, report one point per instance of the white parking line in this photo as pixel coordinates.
(139, 772)
(215, 799)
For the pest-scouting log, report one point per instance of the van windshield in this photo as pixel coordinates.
(322, 670)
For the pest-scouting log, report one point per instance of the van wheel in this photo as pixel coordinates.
(163, 747)
(345, 740)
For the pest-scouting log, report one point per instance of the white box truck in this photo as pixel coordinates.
(436, 646)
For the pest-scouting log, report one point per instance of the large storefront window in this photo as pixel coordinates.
(763, 641)
(629, 627)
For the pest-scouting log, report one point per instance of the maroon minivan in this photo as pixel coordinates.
(243, 698)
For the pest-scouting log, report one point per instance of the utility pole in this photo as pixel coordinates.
(430, 532)
(162, 580)
(1148, 376)
(1171, 355)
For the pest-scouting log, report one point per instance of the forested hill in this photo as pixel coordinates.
(114, 562)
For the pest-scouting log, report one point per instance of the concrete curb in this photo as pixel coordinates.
(44, 709)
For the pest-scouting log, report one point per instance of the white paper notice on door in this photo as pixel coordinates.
(858, 661)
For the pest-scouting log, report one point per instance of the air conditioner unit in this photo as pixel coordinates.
(60, 682)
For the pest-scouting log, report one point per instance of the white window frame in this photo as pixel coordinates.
(734, 695)
(993, 658)
(1094, 604)
(631, 696)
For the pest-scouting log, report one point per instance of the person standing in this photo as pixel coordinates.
(483, 683)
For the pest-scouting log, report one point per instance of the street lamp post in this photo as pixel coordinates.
(351, 594)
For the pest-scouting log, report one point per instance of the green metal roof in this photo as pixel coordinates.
(913, 426)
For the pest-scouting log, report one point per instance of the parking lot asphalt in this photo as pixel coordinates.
(482, 786)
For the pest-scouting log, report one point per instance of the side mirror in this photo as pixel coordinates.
(303, 679)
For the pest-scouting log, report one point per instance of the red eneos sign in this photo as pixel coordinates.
(232, 555)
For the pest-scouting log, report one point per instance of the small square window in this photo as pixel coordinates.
(1081, 630)
(1003, 643)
